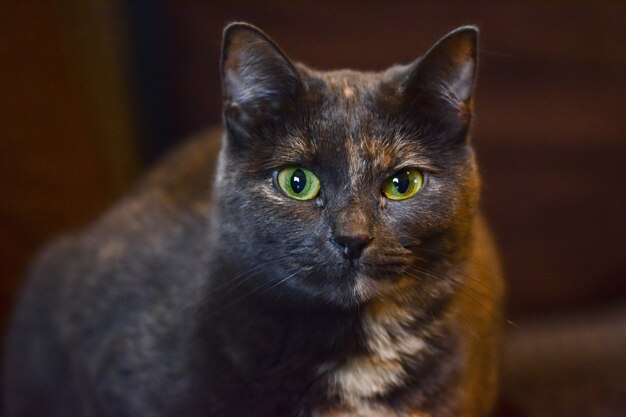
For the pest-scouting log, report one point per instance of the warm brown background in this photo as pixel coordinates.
(89, 92)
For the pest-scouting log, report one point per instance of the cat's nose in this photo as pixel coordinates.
(352, 246)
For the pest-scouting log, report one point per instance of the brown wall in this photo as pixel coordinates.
(65, 139)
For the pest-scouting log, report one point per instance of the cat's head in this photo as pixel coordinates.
(343, 185)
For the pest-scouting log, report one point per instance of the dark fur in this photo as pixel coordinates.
(174, 305)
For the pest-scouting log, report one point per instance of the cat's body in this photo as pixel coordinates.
(240, 301)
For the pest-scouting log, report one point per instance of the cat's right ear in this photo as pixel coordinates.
(258, 80)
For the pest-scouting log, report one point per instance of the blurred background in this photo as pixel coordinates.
(92, 93)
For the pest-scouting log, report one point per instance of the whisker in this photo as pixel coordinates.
(266, 286)
(244, 276)
(461, 283)
(276, 284)
(479, 282)
(473, 262)
(464, 289)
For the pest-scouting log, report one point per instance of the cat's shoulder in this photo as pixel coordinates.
(176, 191)
(183, 179)
(163, 217)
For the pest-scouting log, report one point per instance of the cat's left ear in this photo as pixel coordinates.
(446, 71)
(258, 80)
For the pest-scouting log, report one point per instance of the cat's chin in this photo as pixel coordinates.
(354, 288)
(346, 286)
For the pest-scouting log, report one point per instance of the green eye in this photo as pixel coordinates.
(403, 184)
(298, 183)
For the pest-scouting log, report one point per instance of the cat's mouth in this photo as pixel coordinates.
(372, 269)
(365, 280)
(350, 283)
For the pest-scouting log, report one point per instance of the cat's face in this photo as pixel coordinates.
(341, 186)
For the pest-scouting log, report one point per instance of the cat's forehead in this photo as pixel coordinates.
(348, 84)
(342, 87)
(366, 150)
(342, 101)
(360, 151)
(346, 128)
(343, 127)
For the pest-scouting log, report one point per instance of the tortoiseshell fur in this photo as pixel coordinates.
(231, 299)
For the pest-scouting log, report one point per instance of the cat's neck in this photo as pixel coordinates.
(347, 356)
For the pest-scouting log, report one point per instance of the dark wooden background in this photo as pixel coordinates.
(92, 93)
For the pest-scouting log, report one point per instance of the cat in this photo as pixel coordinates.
(336, 263)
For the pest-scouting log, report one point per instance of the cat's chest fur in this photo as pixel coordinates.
(385, 360)
(399, 356)
(363, 379)
(379, 368)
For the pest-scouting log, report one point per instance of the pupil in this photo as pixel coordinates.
(298, 181)
(401, 181)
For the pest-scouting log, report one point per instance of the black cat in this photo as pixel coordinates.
(338, 266)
